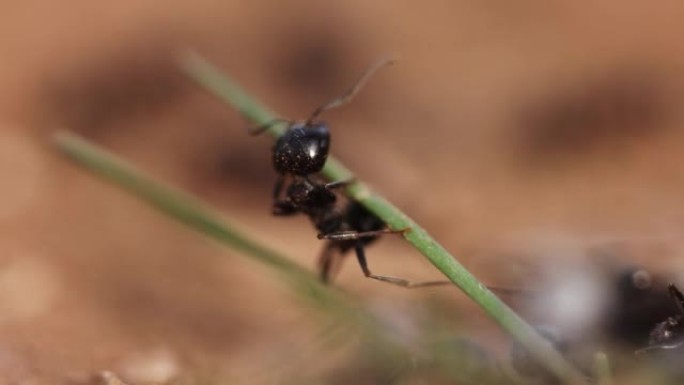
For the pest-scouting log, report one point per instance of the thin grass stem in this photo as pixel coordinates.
(223, 87)
(198, 216)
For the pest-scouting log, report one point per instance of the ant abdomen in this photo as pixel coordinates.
(303, 149)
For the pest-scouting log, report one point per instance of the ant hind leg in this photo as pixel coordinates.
(281, 207)
(351, 235)
(361, 256)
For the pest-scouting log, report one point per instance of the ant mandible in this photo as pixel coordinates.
(301, 151)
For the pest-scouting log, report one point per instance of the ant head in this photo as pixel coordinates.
(303, 149)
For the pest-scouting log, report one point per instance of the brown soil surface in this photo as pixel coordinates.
(506, 129)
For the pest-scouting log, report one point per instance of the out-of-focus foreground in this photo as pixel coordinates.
(525, 137)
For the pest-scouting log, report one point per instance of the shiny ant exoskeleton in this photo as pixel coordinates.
(302, 151)
(348, 227)
(345, 228)
(669, 334)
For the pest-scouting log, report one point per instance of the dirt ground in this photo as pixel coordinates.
(513, 132)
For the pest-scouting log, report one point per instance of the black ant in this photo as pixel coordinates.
(669, 334)
(301, 151)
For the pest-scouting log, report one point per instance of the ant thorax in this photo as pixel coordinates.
(316, 201)
(309, 197)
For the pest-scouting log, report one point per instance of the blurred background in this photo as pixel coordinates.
(525, 137)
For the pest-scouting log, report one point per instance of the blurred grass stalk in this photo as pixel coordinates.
(602, 370)
(199, 217)
(230, 92)
(341, 309)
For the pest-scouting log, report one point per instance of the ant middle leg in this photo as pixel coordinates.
(332, 185)
(339, 184)
(361, 256)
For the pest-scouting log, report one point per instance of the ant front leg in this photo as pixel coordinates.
(361, 256)
(281, 207)
(278, 187)
(339, 184)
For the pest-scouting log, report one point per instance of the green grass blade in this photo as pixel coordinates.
(230, 92)
(196, 215)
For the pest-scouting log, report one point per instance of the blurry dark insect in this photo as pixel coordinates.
(637, 303)
(666, 342)
(605, 301)
(669, 334)
(301, 152)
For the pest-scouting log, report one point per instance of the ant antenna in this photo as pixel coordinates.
(349, 95)
(265, 126)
